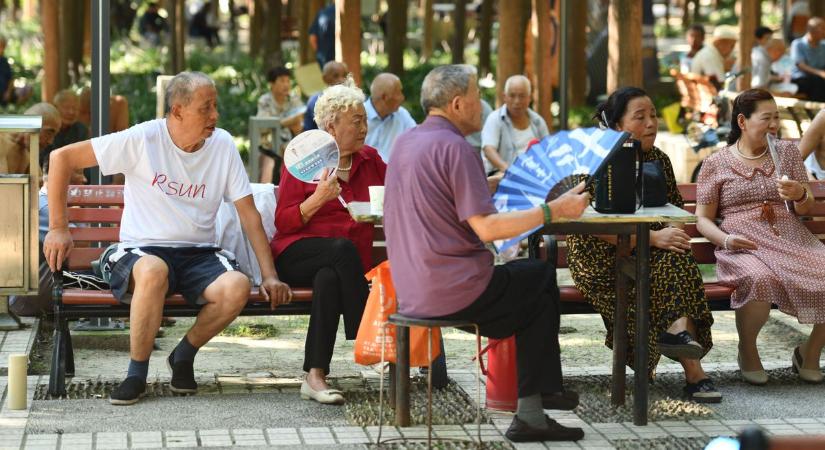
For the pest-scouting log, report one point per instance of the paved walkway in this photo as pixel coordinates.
(250, 415)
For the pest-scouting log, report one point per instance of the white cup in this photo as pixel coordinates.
(377, 199)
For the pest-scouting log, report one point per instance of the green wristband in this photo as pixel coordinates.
(548, 217)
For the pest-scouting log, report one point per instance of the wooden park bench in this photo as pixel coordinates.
(98, 210)
(718, 295)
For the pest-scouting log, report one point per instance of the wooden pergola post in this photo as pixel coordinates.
(348, 36)
(624, 61)
(396, 39)
(510, 44)
(747, 27)
(459, 33)
(51, 57)
(543, 59)
(817, 8)
(577, 42)
(427, 35)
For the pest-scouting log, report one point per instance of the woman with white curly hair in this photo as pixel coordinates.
(319, 245)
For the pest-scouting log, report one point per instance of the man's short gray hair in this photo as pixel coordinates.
(337, 99)
(517, 79)
(181, 88)
(444, 83)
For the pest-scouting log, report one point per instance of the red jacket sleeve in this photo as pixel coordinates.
(291, 192)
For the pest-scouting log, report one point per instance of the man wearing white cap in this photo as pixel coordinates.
(714, 60)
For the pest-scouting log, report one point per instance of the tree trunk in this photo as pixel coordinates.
(51, 57)
(460, 33)
(485, 34)
(396, 37)
(747, 27)
(72, 15)
(309, 9)
(577, 40)
(817, 8)
(510, 44)
(66, 14)
(624, 62)
(272, 34)
(256, 19)
(543, 59)
(686, 13)
(427, 35)
(348, 36)
(177, 22)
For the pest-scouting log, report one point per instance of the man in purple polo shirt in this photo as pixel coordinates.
(437, 215)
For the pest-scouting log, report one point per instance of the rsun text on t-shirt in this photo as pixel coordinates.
(179, 189)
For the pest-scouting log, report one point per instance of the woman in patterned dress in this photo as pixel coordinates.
(763, 250)
(680, 320)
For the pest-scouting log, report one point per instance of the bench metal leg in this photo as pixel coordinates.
(642, 324)
(617, 392)
(57, 375)
(393, 377)
(67, 346)
(402, 377)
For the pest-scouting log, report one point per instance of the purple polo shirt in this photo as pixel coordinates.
(435, 182)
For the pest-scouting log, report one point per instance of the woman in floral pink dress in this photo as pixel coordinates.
(763, 250)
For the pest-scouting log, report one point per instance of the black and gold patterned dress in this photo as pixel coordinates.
(675, 281)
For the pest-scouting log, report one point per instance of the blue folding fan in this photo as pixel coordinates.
(549, 162)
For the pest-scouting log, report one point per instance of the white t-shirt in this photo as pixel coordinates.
(709, 62)
(812, 164)
(171, 197)
(521, 138)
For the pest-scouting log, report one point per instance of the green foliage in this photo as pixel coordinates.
(258, 330)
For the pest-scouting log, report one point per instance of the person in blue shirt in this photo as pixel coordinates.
(322, 35)
(386, 118)
(808, 54)
(334, 73)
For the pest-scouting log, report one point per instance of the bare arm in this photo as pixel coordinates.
(812, 138)
(273, 289)
(810, 70)
(62, 163)
(313, 42)
(506, 225)
(706, 224)
(492, 155)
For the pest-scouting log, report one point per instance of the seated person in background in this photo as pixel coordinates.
(510, 128)
(71, 130)
(762, 249)
(14, 147)
(714, 60)
(808, 54)
(695, 38)
(334, 73)
(317, 243)
(179, 170)
(812, 147)
(279, 103)
(118, 111)
(437, 216)
(203, 23)
(152, 25)
(680, 320)
(796, 21)
(762, 56)
(8, 93)
(386, 118)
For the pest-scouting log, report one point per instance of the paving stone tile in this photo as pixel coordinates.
(770, 421)
(328, 441)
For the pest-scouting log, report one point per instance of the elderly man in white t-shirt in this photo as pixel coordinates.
(178, 171)
(509, 129)
(716, 59)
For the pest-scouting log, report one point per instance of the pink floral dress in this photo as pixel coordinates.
(788, 267)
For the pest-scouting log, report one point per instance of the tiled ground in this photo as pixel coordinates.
(687, 433)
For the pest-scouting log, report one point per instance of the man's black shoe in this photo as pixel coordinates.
(679, 345)
(564, 400)
(521, 432)
(183, 376)
(128, 392)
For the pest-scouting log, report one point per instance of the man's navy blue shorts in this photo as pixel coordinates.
(191, 269)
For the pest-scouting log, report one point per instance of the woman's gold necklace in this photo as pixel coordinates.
(750, 157)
